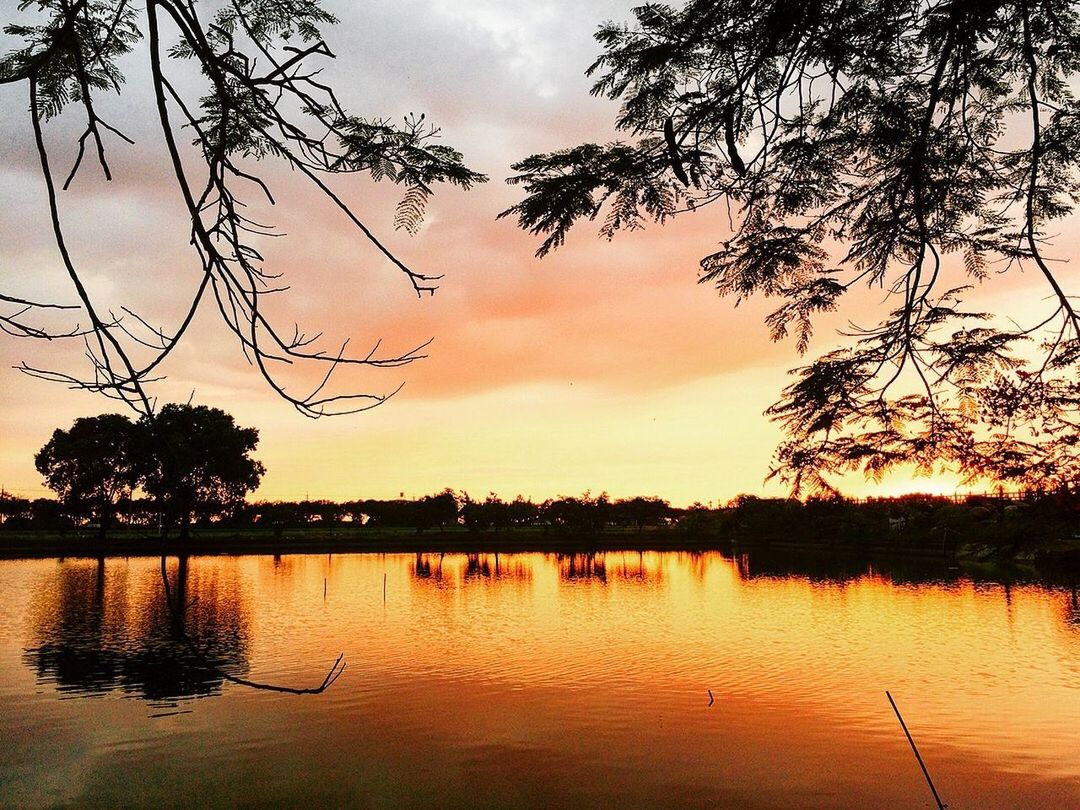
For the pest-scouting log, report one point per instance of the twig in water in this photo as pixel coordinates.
(178, 630)
(384, 588)
(169, 714)
(711, 699)
(926, 773)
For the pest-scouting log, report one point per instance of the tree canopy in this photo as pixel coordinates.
(922, 148)
(92, 466)
(261, 98)
(197, 461)
(192, 461)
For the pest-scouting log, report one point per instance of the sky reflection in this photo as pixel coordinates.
(535, 679)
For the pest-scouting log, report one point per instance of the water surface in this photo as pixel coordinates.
(533, 680)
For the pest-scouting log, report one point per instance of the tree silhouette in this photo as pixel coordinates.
(920, 148)
(92, 466)
(12, 507)
(197, 462)
(641, 512)
(260, 99)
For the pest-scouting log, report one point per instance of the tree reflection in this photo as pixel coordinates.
(479, 566)
(582, 567)
(443, 568)
(830, 568)
(645, 567)
(1072, 609)
(95, 632)
(428, 566)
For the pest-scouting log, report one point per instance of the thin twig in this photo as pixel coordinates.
(915, 750)
(328, 681)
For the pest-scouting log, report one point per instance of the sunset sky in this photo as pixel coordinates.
(605, 366)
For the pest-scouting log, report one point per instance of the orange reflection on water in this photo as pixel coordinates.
(100, 626)
(570, 679)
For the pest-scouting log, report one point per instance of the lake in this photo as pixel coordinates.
(534, 680)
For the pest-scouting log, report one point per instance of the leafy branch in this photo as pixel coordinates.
(921, 149)
(262, 100)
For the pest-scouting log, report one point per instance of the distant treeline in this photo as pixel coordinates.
(439, 511)
(917, 519)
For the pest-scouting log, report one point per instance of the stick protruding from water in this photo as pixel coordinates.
(915, 750)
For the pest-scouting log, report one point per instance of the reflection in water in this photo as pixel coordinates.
(600, 567)
(479, 566)
(94, 630)
(1072, 609)
(583, 566)
(836, 569)
(541, 680)
(644, 568)
(459, 568)
(428, 566)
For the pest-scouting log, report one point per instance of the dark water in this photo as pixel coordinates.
(533, 680)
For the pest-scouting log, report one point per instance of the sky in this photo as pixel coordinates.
(604, 367)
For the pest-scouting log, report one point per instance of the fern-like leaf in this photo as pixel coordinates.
(410, 211)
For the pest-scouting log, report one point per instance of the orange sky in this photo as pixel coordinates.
(603, 367)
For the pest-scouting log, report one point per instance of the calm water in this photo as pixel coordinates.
(533, 680)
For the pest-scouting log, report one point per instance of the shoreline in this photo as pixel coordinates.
(344, 540)
(359, 542)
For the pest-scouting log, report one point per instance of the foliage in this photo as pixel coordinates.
(192, 461)
(987, 525)
(919, 148)
(261, 99)
(12, 507)
(435, 510)
(92, 466)
(427, 512)
(40, 514)
(584, 514)
(197, 461)
(641, 512)
(982, 526)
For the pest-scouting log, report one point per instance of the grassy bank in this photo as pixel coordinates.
(352, 539)
(344, 539)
